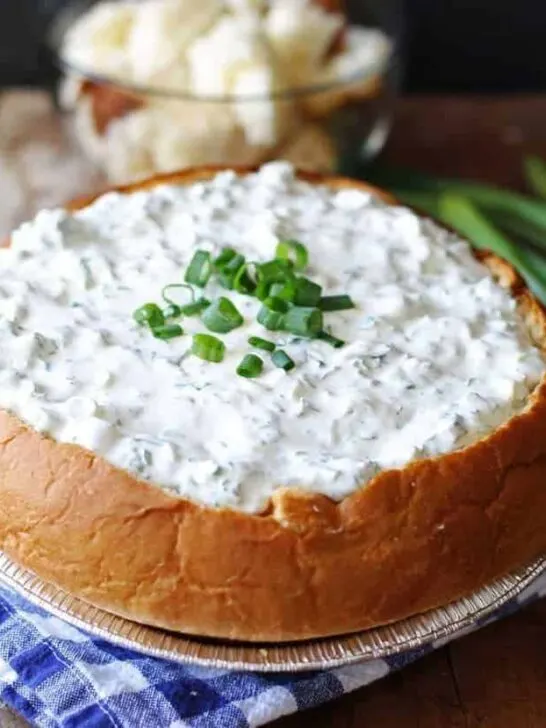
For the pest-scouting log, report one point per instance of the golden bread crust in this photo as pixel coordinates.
(412, 539)
(108, 103)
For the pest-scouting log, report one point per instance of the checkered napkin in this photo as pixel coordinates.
(57, 676)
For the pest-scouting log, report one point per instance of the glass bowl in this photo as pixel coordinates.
(132, 130)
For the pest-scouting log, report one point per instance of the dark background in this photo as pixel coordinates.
(452, 45)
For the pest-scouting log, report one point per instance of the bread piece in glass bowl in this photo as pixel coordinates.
(159, 85)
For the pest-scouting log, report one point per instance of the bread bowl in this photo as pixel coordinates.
(305, 565)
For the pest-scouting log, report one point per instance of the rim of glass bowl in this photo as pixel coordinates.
(66, 18)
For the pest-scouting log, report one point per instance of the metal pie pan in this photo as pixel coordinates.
(412, 633)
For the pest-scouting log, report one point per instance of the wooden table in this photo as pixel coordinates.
(497, 677)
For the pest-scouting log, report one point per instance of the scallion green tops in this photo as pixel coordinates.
(200, 269)
(290, 302)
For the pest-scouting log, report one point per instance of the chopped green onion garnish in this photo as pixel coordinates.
(167, 331)
(195, 308)
(293, 251)
(149, 315)
(263, 289)
(307, 292)
(167, 295)
(272, 313)
(281, 360)
(225, 256)
(200, 269)
(251, 367)
(243, 282)
(303, 321)
(332, 340)
(263, 344)
(222, 316)
(228, 273)
(275, 271)
(172, 311)
(286, 290)
(336, 303)
(234, 263)
(291, 303)
(208, 348)
(271, 320)
(276, 304)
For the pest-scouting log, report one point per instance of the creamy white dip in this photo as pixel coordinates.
(436, 355)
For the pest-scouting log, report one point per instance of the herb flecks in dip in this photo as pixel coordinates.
(435, 355)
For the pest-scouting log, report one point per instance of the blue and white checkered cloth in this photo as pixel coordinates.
(57, 676)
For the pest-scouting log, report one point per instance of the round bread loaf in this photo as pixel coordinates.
(410, 540)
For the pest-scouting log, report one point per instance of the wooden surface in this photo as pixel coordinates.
(497, 677)
(470, 136)
(40, 164)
